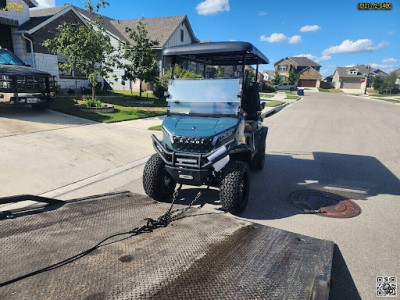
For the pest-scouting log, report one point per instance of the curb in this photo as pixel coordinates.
(277, 108)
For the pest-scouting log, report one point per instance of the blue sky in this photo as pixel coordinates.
(334, 33)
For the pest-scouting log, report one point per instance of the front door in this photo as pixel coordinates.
(5, 37)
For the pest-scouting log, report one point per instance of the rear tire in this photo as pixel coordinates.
(156, 181)
(235, 186)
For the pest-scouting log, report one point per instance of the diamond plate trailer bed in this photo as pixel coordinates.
(204, 255)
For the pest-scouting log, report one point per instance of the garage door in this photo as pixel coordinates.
(307, 83)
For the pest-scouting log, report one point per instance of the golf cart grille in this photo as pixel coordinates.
(193, 144)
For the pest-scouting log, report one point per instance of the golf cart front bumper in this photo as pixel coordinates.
(190, 168)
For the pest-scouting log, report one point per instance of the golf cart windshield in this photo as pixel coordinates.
(209, 97)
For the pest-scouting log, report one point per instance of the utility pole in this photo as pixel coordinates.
(366, 80)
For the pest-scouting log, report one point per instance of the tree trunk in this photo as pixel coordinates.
(93, 91)
(140, 88)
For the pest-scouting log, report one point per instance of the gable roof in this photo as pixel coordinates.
(31, 3)
(39, 16)
(397, 72)
(269, 72)
(362, 69)
(299, 61)
(159, 29)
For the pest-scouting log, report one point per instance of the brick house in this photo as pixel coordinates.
(349, 78)
(24, 32)
(306, 70)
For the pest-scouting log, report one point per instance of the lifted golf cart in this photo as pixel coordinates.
(213, 133)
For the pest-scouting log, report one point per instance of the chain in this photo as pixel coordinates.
(170, 215)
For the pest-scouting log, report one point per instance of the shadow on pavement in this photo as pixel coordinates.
(352, 176)
(343, 286)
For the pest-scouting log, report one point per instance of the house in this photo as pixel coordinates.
(269, 75)
(307, 71)
(350, 79)
(24, 32)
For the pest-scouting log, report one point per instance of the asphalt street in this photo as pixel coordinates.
(343, 145)
(333, 142)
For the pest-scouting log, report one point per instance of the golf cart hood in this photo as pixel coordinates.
(198, 126)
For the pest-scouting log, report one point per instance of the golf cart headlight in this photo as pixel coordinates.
(223, 136)
(167, 133)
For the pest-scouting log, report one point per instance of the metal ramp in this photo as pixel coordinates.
(203, 255)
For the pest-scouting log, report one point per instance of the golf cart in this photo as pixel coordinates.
(213, 133)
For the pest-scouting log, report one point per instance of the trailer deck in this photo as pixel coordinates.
(205, 254)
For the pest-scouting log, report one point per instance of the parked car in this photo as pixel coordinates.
(285, 86)
(21, 84)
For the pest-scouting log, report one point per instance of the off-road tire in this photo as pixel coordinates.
(40, 106)
(258, 161)
(154, 179)
(232, 194)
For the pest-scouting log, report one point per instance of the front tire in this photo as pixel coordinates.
(156, 181)
(235, 186)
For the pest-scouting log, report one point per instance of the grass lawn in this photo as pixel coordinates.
(157, 127)
(270, 95)
(388, 100)
(330, 90)
(124, 110)
(287, 92)
(291, 96)
(273, 103)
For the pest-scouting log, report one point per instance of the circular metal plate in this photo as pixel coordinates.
(324, 204)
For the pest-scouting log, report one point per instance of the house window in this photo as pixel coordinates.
(182, 35)
(282, 67)
(63, 72)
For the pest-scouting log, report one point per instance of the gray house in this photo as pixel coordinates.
(349, 79)
(24, 32)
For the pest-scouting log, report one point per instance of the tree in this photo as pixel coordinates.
(292, 77)
(86, 47)
(251, 72)
(220, 72)
(277, 78)
(377, 83)
(390, 81)
(141, 59)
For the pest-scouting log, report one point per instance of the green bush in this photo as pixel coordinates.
(93, 103)
(267, 88)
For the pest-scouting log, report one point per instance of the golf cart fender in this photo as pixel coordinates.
(241, 152)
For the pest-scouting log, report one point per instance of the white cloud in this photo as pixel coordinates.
(315, 58)
(348, 46)
(312, 28)
(280, 38)
(349, 66)
(294, 39)
(274, 38)
(386, 68)
(210, 7)
(262, 13)
(389, 60)
(46, 3)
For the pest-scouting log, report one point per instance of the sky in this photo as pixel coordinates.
(332, 33)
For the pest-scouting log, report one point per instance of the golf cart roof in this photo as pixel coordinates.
(218, 53)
